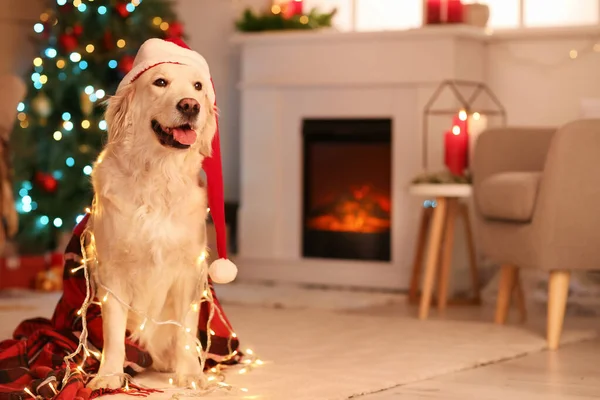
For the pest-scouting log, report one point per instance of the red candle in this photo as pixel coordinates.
(292, 8)
(456, 145)
(443, 11)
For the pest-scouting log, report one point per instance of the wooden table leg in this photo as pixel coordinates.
(415, 280)
(447, 251)
(464, 211)
(433, 250)
(520, 298)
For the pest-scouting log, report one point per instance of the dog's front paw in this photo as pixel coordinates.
(106, 382)
(193, 381)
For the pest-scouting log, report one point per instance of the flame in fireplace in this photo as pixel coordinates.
(360, 209)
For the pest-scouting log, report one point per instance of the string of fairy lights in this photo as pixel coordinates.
(213, 379)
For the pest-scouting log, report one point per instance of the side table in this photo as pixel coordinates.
(436, 242)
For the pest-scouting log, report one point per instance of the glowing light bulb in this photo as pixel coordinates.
(157, 21)
(462, 115)
(304, 20)
(57, 222)
(102, 10)
(37, 61)
(164, 26)
(75, 56)
(66, 116)
(57, 135)
(21, 107)
(68, 125)
(234, 335)
(121, 43)
(476, 116)
(455, 130)
(87, 170)
(276, 9)
(573, 54)
(50, 52)
(170, 381)
(38, 28)
(85, 124)
(60, 64)
(100, 93)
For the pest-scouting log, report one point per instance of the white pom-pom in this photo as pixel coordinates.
(222, 271)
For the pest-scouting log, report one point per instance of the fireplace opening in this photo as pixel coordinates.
(347, 189)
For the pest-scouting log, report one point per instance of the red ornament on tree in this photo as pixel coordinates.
(77, 29)
(122, 10)
(126, 64)
(67, 43)
(108, 40)
(175, 30)
(46, 181)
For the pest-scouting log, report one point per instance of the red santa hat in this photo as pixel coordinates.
(154, 52)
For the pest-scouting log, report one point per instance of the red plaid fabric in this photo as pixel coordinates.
(34, 358)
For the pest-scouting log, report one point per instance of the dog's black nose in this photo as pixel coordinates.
(188, 107)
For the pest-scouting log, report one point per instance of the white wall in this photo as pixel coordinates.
(532, 75)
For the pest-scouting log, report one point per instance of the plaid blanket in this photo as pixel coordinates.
(34, 359)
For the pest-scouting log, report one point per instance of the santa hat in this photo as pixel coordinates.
(154, 52)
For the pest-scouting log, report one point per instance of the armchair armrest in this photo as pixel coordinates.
(567, 212)
(510, 149)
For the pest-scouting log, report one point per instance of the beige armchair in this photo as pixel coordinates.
(537, 201)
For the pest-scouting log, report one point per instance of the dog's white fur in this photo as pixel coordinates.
(148, 221)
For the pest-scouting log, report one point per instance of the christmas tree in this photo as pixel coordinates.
(84, 48)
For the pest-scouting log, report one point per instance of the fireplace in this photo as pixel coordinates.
(347, 189)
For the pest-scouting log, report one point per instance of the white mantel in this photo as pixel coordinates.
(286, 77)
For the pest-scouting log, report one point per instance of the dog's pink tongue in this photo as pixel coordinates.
(184, 136)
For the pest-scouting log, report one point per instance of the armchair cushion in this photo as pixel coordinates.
(509, 196)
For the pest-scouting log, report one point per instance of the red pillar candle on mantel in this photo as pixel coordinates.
(456, 145)
(442, 12)
(290, 8)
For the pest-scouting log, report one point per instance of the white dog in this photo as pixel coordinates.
(149, 216)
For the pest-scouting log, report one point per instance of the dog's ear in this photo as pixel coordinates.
(117, 111)
(210, 128)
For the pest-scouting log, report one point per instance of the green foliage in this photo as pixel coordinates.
(252, 22)
(48, 152)
(443, 177)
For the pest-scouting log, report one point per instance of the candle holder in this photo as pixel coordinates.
(469, 116)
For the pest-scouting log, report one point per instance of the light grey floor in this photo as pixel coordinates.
(572, 372)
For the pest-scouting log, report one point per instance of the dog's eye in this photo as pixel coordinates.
(160, 82)
(198, 86)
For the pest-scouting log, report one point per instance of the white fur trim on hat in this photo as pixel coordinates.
(154, 52)
(222, 271)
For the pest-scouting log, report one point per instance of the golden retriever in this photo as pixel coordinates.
(149, 216)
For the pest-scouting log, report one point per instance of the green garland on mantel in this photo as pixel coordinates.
(252, 22)
(443, 177)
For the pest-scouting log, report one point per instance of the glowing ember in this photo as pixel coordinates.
(359, 210)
